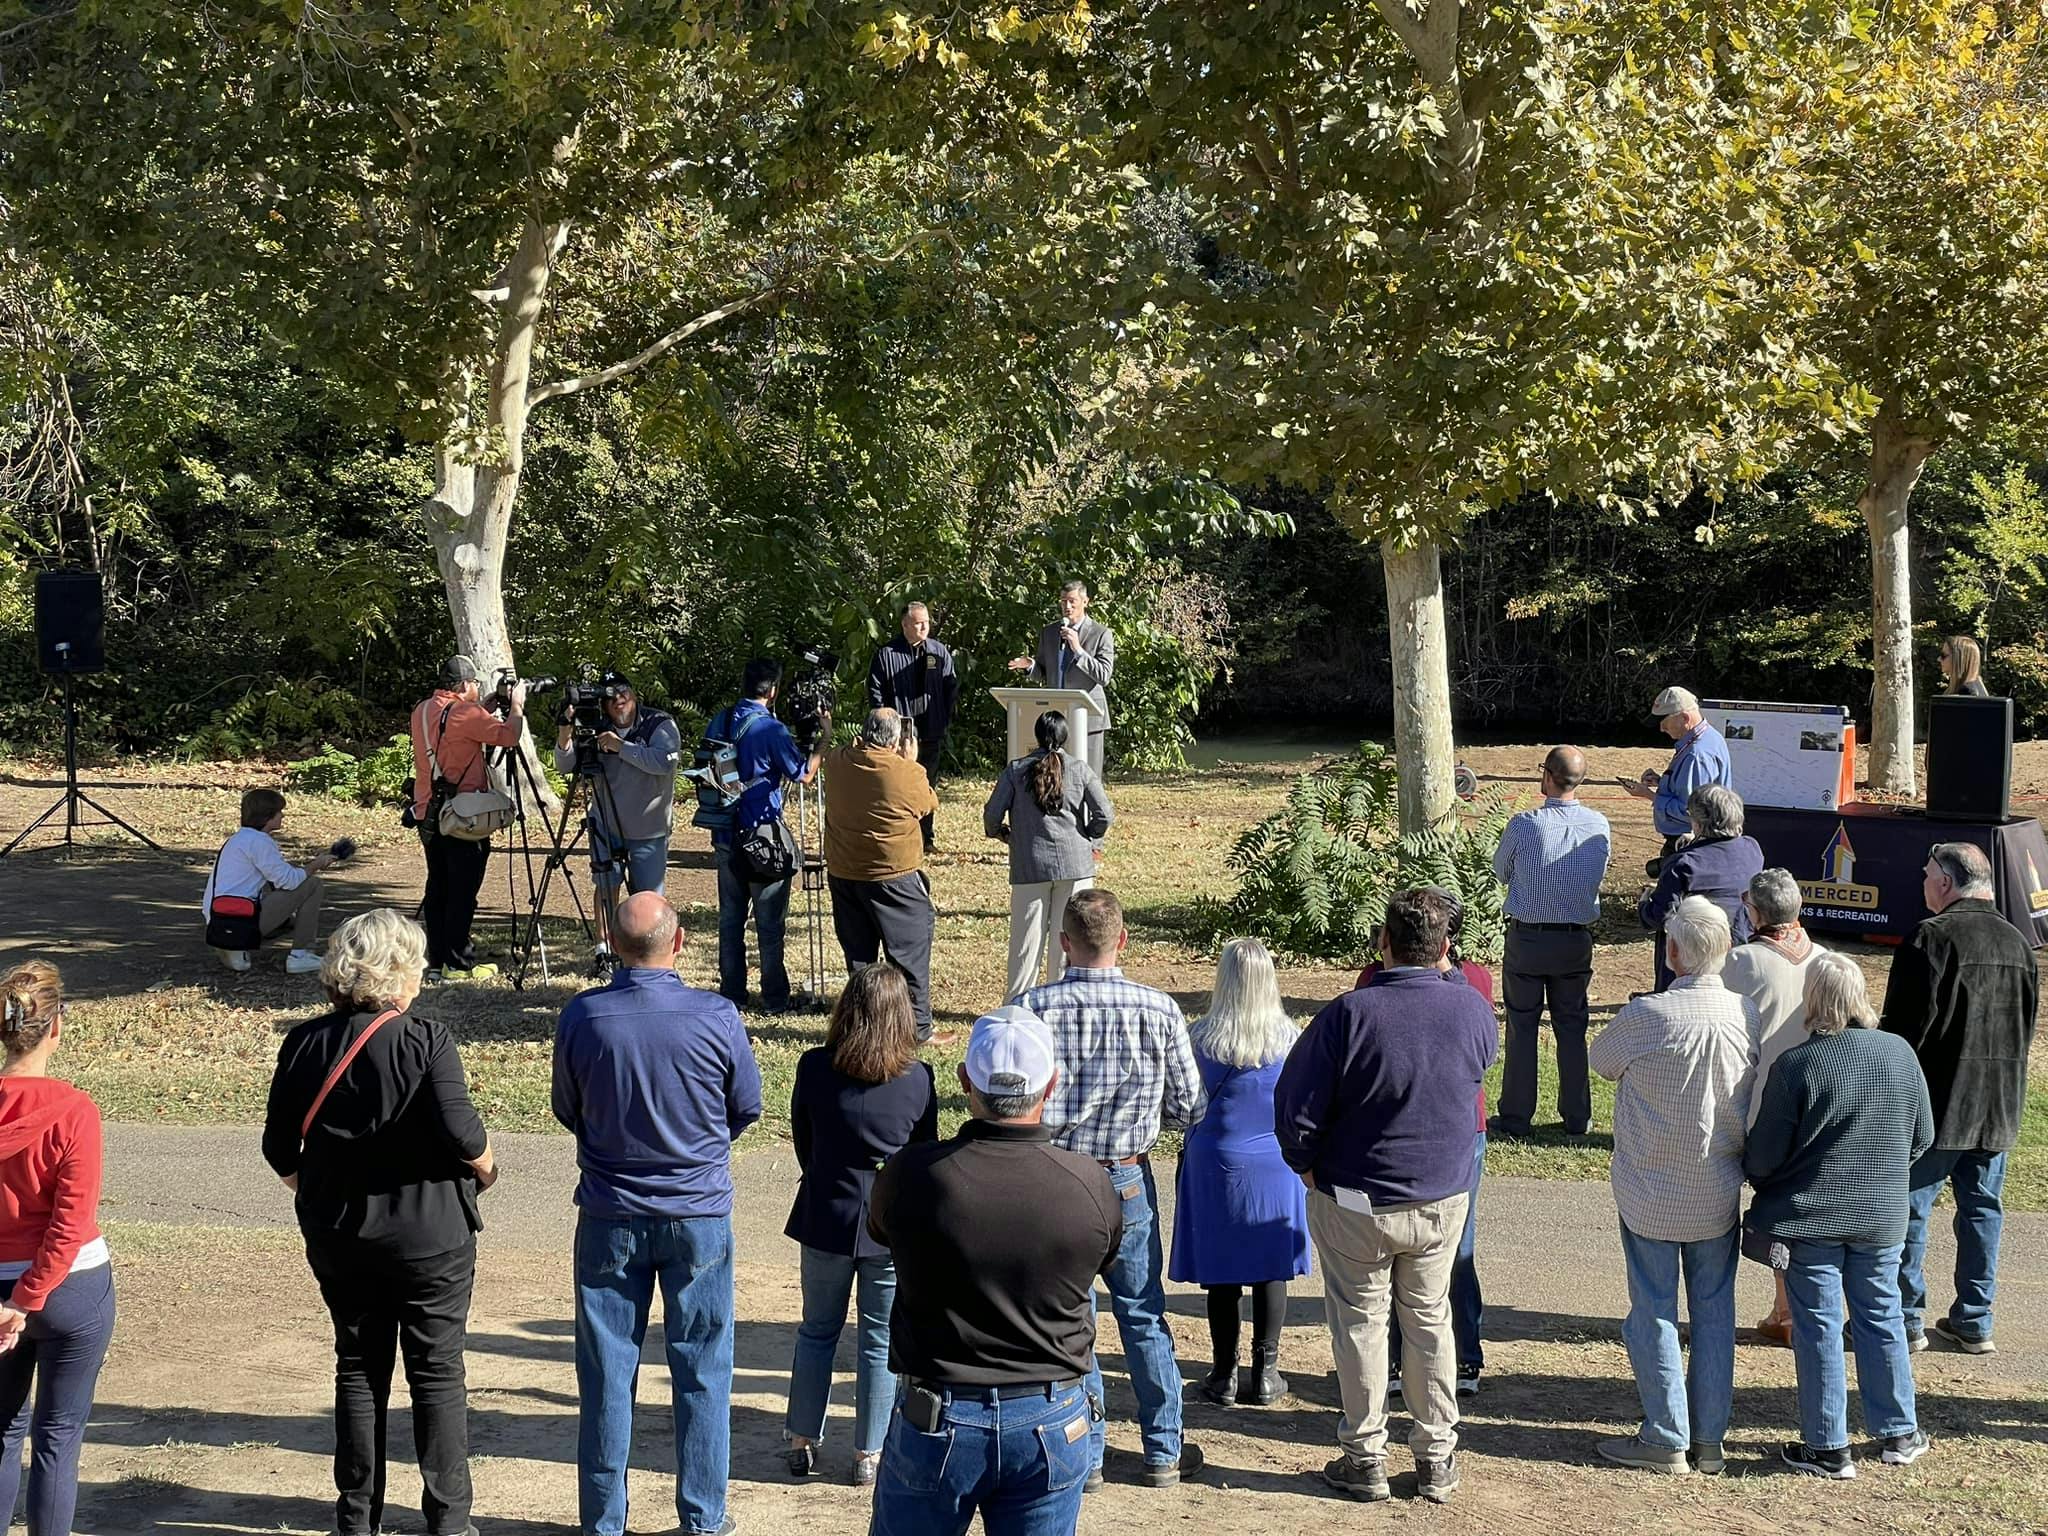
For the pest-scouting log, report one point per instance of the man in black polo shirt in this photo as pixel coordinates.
(997, 1237)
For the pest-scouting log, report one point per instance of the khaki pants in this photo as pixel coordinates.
(1036, 912)
(1403, 1255)
(299, 907)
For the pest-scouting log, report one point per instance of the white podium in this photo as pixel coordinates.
(1025, 705)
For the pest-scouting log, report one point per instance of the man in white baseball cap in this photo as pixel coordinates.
(997, 1236)
(1701, 758)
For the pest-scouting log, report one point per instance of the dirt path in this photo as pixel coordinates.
(213, 1411)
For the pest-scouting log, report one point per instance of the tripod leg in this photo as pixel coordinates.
(23, 835)
(141, 837)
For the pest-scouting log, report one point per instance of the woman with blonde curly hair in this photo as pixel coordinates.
(56, 1286)
(371, 1127)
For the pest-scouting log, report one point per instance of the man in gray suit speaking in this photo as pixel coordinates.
(1076, 652)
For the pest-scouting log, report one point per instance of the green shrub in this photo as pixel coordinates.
(380, 777)
(1314, 877)
(377, 779)
(330, 771)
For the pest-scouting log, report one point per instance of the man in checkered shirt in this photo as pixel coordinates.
(1125, 1062)
(1685, 1061)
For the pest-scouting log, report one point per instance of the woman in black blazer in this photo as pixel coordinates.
(859, 1098)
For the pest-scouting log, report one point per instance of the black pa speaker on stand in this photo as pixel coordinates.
(70, 640)
(1969, 759)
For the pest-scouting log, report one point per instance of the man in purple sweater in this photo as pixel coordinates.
(1374, 1111)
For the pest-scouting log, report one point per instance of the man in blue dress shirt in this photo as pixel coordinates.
(1700, 758)
(1552, 860)
(656, 1080)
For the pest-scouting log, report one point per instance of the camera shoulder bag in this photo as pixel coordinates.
(718, 761)
(232, 922)
(767, 852)
(471, 814)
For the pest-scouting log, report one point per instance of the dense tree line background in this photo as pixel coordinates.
(1416, 361)
(266, 592)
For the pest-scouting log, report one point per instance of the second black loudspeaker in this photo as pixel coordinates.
(1969, 759)
(68, 615)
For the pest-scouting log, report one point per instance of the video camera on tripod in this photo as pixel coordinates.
(807, 702)
(583, 699)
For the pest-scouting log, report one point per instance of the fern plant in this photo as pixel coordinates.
(1315, 876)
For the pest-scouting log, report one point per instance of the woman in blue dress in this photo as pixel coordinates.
(1241, 1219)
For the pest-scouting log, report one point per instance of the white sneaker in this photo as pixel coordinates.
(301, 962)
(235, 959)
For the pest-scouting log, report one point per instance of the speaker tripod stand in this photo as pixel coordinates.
(73, 797)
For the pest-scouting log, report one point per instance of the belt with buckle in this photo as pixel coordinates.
(1004, 1393)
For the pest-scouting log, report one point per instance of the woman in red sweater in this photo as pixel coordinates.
(56, 1289)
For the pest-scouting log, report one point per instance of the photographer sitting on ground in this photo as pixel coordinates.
(454, 724)
(251, 865)
(638, 758)
(875, 797)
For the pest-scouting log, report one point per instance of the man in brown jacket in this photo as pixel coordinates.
(875, 796)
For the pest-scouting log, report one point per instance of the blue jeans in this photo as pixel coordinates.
(1822, 1274)
(642, 861)
(1020, 1461)
(1468, 1306)
(619, 1261)
(770, 903)
(1978, 1179)
(46, 1387)
(828, 1280)
(1685, 1407)
(1137, 1299)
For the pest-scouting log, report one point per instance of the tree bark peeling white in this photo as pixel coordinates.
(476, 475)
(1897, 455)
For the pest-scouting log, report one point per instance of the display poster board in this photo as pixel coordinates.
(1798, 756)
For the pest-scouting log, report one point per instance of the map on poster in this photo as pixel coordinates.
(1783, 754)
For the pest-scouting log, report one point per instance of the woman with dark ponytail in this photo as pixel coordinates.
(1052, 811)
(56, 1287)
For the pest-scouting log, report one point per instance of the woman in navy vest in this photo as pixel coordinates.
(1241, 1219)
(859, 1098)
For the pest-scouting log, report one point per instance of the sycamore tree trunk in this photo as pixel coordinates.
(477, 465)
(1422, 684)
(1897, 455)
(476, 482)
(1423, 751)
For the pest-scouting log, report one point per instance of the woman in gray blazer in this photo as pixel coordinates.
(1052, 811)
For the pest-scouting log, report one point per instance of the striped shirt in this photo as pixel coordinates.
(1125, 1060)
(1552, 860)
(1685, 1060)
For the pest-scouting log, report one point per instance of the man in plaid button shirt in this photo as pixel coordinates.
(1685, 1062)
(1125, 1061)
